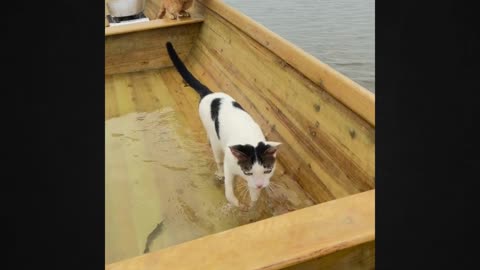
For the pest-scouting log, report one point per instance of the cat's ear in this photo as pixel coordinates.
(272, 149)
(237, 153)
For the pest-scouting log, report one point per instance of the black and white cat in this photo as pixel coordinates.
(238, 144)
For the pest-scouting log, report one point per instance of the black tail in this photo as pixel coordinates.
(201, 89)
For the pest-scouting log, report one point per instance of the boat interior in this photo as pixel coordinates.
(161, 194)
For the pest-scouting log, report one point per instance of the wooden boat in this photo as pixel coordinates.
(325, 121)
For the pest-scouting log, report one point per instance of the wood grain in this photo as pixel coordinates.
(330, 150)
(272, 243)
(354, 96)
(145, 50)
(153, 24)
(135, 199)
(325, 121)
(360, 257)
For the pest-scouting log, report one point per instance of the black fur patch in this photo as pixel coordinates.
(255, 154)
(265, 160)
(249, 151)
(236, 105)
(214, 109)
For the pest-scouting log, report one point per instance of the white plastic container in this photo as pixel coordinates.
(122, 8)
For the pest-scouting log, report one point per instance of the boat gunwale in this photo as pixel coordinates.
(152, 24)
(357, 209)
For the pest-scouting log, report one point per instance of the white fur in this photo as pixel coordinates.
(236, 127)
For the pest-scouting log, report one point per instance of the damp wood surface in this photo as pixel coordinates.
(329, 149)
(159, 169)
(277, 242)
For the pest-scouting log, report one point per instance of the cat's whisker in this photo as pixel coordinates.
(273, 184)
(245, 194)
(268, 190)
(275, 192)
(242, 192)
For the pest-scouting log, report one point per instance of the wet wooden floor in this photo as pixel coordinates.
(160, 170)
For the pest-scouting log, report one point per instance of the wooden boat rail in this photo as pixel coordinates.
(319, 231)
(154, 24)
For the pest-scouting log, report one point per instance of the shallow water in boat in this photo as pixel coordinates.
(160, 182)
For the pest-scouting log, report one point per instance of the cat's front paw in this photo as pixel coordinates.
(219, 176)
(233, 200)
(184, 13)
(254, 194)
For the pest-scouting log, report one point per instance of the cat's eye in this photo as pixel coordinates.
(269, 171)
(248, 173)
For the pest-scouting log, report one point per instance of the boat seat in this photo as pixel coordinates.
(152, 24)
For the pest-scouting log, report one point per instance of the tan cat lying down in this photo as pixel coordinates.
(174, 8)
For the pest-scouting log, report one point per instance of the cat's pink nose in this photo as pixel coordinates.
(259, 185)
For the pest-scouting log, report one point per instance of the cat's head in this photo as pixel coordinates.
(256, 162)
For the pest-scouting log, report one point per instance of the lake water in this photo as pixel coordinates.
(341, 33)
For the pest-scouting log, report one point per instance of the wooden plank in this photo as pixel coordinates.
(278, 242)
(316, 129)
(360, 257)
(111, 109)
(137, 192)
(354, 96)
(186, 99)
(122, 87)
(153, 24)
(145, 50)
(144, 91)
